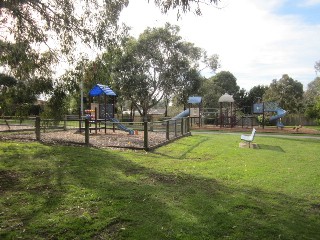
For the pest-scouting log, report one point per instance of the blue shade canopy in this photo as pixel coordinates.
(194, 100)
(99, 89)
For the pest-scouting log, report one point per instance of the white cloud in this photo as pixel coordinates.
(253, 43)
(310, 2)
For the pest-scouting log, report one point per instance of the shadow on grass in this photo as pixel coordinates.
(270, 147)
(81, 193)
(189, 148)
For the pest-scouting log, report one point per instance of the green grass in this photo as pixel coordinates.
(200, 187)
(314, 127)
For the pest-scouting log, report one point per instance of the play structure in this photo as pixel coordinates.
(102, 112)
(270, 107)
(193, 111)
(227, 117)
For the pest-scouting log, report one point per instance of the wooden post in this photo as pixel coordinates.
(182, 122)
(37, 125)
(80, 119)
(113, 106)
(86, 131)
(187, 125)
(151, 125)
(175, 128)
(167, 130)
(65, 123)
(145, 126)
(5, 120)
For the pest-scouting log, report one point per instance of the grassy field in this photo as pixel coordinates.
(200, 187)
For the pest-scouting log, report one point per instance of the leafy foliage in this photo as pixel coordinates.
(34, 21)
(183, 6)
(191, 84)
(223, 82)
(317, 66)
(155, 66)
(245, 100)
(287, 92)
(312, 99)
(36, 34)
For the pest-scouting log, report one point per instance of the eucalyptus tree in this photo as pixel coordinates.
(67, 20)
(312, 99)
(154, 66)
(287, 92)
(184, 6)
(256, 93)
(214, 87)
(36, 34)
(191, 85)
(186, 75)
(57, 26)
(317, 66)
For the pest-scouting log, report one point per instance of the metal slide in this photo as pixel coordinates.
(120, 125)
(183, 114)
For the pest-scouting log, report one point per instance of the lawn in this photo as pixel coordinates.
(199, 187)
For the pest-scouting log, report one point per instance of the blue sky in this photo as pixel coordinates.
(308, 11)
(257, 40)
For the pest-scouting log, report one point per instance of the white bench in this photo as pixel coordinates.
(249, 138)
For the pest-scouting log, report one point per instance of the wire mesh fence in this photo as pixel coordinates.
(98, 133)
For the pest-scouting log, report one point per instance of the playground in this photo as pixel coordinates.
(228, 118)
(104, 130)
(96, 126)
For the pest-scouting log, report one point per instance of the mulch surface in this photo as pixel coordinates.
(110, 139)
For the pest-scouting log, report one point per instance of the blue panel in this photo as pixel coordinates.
(101, 89)
(194, 100)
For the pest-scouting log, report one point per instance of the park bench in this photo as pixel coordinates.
(249, 138)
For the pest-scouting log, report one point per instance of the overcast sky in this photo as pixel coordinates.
(257, 40)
